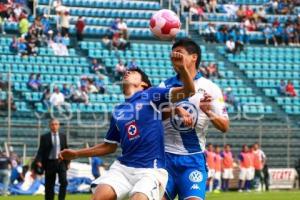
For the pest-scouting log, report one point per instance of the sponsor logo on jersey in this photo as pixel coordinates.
(132, 130)
(195, 187)
(196, 176)
(177, 122)
(138, 106)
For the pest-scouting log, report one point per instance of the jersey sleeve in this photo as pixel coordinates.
(218, 103)
(159, 95)
(113, 134)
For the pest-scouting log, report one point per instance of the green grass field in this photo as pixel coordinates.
(274, 195)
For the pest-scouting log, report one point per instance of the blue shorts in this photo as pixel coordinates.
(187, 176)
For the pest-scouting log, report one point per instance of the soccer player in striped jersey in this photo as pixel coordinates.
(185, 134)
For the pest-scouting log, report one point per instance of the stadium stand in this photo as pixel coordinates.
(253, 76)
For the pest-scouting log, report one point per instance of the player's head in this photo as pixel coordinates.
(255, 146)
(210, 147)
(137, 78)
(245, 148)
(189, 48)
(217, 149)
(227, 147)
(54, 125)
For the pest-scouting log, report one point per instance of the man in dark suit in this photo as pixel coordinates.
(47, 158)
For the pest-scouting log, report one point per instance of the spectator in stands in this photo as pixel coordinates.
(250, 24)
(290, 90)
(18, 10)
(119, 42)
(23, 25)
(46, 24)
(248, 12)
(132, 64)
(122, 27)
(281, 88)
(262, 15)
(186, 4)
(32, 83)
(65, 23)
(36, 30)
(57, 99)
(222, 34)
(213, 6)
(114, 27)
(120, 69)
(46, 98)
(58, 38)
(80, 25)
(213, 71)
(96, 164)
(276, 22)
(204, 71)
(22, 47)
(4, 172)
(269, 34)
(290, 32)
(66, 40)
(106, 42)
(98, 67)
(279, 34)
(99, 83)
(283, 7)
(2, 23)
(210, 33)
(83, 81)
(91, 88)
(229, 98)
(242, 34)
(234, 47)
(80, 95)
(66, 92)
(240, 13)
(198, 11)
(273, 6)
(31, 47)
(13, 47)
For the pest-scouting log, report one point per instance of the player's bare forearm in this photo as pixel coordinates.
(221, 123)
(188, 88)
(97, 150)
(166, 113)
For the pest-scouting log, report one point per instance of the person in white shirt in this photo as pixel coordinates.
(57, 99)
(119, 70)
(122, 26)
(230, 46)
(65, 23)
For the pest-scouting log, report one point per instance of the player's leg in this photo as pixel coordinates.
(171, 189)
(242, 178)
(50, 176)
(62, 177)
(104, 192)
(114, 184)
(150, 185)
(192, 184)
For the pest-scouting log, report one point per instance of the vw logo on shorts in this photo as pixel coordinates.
(196, 176)
(177, 122)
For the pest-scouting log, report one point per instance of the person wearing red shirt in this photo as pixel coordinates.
(227, 166)
(248, 12)
(211, 161)
(80, 24)
(290, 90)
(218, 168)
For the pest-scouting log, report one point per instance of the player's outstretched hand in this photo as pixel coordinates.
(67, 154)
(185, 116)
(205, 103)
(179, 61)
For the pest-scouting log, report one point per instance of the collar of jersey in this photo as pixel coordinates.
(178, 81)
(134, 96)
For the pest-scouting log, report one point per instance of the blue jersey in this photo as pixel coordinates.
(136, 125)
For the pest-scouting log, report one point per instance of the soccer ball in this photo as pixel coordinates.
(165, 24)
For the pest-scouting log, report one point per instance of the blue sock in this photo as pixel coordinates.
(216, 184)
(226, 185)
(240, 184)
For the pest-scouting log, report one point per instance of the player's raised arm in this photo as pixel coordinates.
(97, 150)
(180, 65)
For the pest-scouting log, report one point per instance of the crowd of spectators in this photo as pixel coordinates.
(210, 71)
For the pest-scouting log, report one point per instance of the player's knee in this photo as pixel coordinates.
(139, 196)
(104, 192)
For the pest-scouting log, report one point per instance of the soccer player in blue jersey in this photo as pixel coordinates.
(139, 171)
(185, 133)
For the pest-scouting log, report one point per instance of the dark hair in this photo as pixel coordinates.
(145, 77)
(191, 47)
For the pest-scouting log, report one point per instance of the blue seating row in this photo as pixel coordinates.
(273, 83)
(273, 74)
(269, 66)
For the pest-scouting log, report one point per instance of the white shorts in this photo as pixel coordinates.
(245, 174)
(217, 175)
(127, 181)
(211, 173)
(227, 173)
(252, 173)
